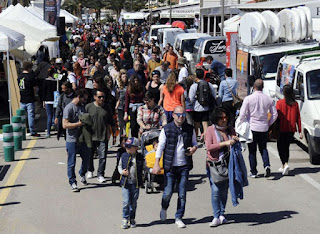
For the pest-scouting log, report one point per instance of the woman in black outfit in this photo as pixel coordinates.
(155, 85)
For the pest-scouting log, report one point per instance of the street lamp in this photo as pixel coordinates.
(170, 11)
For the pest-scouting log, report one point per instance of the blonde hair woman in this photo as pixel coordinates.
(171, 95)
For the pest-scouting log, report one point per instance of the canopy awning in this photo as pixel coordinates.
(10, 39)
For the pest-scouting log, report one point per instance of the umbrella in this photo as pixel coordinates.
(179, 24)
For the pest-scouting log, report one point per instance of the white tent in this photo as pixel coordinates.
(34, 29)
(9, 40)
(69, 18)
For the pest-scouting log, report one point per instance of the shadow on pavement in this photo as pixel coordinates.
(304, 170)
(25, 159)
(3, 171)
(12, 186)
(10, 203)
(262, 218)
(95, 185)
(43, 147)
(195, 179)
(168, 221)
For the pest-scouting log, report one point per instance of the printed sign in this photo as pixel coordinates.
(215, 47)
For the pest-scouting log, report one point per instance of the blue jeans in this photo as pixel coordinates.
(30, 109)
(50, 117)
(169, 116)
(130, 197)
(219, 196)
(102, 148)
(260, 139)
(179, 174)
(72, 149)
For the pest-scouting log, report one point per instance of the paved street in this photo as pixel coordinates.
(38, 199)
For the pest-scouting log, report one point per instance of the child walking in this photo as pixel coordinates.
(130, 168)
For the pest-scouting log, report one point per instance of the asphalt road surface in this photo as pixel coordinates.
(35, 197)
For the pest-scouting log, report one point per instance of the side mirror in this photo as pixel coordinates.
(251, 80)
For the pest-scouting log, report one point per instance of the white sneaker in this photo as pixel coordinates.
(223, 219)
(163, 215)
(74, 187)
(101, 179)
(89, 175)
(180, 223)
(286, 170)
(215, 222)
(280, 169)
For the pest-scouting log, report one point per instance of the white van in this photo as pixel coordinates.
(205, 46)
(154, 30)
(303, 72)
(168, 35)
(186, 41)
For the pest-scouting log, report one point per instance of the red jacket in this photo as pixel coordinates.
(289, 116)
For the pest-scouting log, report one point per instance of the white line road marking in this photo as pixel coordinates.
(303, 176)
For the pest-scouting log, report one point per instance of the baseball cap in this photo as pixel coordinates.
(155, 72)
(132, 141)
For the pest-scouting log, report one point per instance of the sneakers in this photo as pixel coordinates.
(286, 170)
(89, 175)
(268, 171)
(223, 220)
(83, 180)
(280, 169)
(101, 179)
(253, 175)
(180, 224)
(47, 136)
(35, 135)
(163, 215)
(133, 223)
(215, 222)
(74, 187)
(124, 224)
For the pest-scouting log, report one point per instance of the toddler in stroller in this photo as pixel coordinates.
(150, 158)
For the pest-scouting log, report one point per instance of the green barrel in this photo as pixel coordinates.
(8, 144)
(23, 114)
(17, 132)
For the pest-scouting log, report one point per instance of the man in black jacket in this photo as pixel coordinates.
(177, 142)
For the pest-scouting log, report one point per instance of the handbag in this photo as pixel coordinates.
(237, 101)
(219, 170)
(274, 130)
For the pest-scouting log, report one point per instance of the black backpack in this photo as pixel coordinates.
(204, 96)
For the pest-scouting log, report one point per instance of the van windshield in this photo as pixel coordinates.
(187, 45)
(313, 84)
(269, 63)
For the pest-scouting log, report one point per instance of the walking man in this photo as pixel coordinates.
(28, 87)
(72, 123)
(255, 109)
(177, 142)
(102, 118)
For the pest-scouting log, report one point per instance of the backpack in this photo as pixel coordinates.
(204, 96)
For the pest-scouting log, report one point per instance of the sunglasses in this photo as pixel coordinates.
(100, 97)
(223, 117)
(180, 114)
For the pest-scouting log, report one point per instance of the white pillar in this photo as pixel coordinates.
(215, 26)
(208, 25)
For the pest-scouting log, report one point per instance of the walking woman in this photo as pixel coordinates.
(289, 116)
(49, 86)
(134, 99)
(219, 137)
(154, 86)
(171, 95)
(121, 96)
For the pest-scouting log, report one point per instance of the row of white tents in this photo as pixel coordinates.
(29, 22)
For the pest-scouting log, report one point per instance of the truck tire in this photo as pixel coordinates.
(313, 155)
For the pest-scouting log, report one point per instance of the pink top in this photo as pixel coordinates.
(255, 108)
(213, 144)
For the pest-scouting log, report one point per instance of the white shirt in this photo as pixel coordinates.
(179, 158)
(72, 78)
(183, 74)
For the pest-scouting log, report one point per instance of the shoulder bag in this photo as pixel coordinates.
(237, 101)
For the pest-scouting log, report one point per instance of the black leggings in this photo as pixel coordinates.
(134, 126)
(283, 145)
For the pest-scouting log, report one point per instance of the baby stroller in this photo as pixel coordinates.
(147, 147)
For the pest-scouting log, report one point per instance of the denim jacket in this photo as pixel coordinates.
(237, 174)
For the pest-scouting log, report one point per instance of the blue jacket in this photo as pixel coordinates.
(237, 174)
(126, 160)
(172, 132)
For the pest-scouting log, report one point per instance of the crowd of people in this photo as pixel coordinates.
(111, 75)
